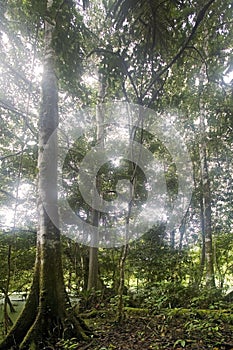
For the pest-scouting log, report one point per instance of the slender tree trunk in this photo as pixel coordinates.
(206, 192)
(203, 245)
(93, 252)
(120, 304)
(11, 306)
(182, 232)
(85, 267)
(7, 320)
(198, 190)
(210, 280)
(172, 239)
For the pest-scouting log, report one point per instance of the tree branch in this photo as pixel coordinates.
(7, 194)
(199, 19)
(19, 75)
(11, 155)
(9, 107)
(157, 91)
(124, 66)
(202, 58)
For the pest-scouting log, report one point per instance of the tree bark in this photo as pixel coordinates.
(120, 304)
(203, 232)
(206, 191)
(45, 318)
(93, 252)
(210, 279)
(124, 253)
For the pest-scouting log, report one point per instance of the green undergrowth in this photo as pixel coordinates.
(142, 328)
(177, 328)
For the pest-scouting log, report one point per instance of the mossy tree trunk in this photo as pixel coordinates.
(47, 316)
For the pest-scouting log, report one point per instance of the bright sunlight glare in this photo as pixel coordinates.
(228, 77)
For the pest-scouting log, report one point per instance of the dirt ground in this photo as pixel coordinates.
(159, 332)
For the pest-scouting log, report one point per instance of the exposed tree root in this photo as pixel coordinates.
(48, 331)
(40, 326)
(25, 320)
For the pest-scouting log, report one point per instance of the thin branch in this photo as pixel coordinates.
(157, 91)
(11, 155)
(202, 58)
(7, 194)
(124, 91)
(86, 346)
(198, 51)
(19, 75)
(223, 24)
(4, 26)
(76, 170)
(124, 66)
(7, 106)
(199, 19)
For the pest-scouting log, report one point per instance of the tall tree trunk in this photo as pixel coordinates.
(172, 239)
(85, 267)
(206, 192)
(203, 232)
(198, 185)
(210, 280)
(45, 318)
(93, 252)
(120, 304)
(93, 269)
(124, 253)
(182, 232)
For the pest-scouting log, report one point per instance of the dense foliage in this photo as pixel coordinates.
(172, 56)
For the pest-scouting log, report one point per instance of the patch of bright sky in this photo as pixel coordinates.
(228, 76)
(25, 212)
(38, 70)
(116, 162)
(6, 217)
(4, 38)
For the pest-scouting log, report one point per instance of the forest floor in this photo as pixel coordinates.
(171, 329)
(166, 329)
